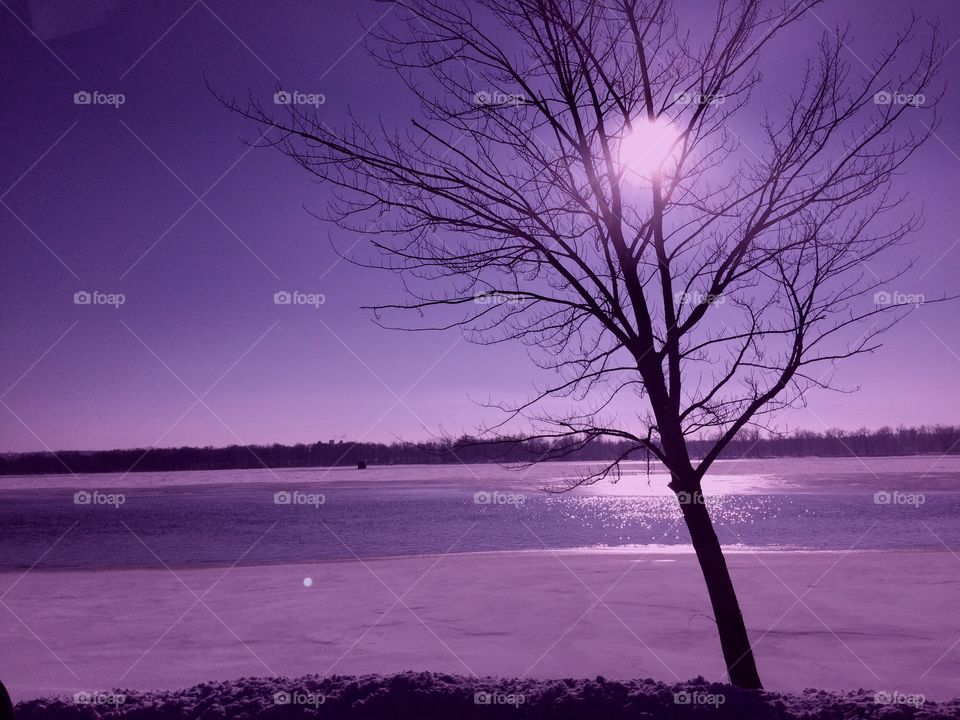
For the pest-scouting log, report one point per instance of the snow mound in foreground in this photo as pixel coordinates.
(436, 695)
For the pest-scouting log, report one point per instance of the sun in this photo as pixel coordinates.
(646, 148)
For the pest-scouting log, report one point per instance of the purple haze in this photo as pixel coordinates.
(88, 204)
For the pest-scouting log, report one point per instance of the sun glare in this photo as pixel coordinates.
(645, 150)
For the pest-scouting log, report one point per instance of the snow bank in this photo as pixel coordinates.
(435, 695)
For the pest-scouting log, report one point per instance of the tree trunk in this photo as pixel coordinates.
(737, 652)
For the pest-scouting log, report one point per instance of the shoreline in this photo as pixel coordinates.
(668, 551)
(833, 620)
(368, 463)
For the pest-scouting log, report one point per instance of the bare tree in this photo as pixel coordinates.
(574, 182)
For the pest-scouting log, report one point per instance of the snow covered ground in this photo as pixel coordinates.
(884, 621)
(418, 696)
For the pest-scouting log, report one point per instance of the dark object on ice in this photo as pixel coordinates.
(362, 465)
(418, 696)
(6, 707)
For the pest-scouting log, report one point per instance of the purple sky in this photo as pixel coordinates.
(98, 198)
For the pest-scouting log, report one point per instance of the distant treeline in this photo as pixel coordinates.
(936, 439)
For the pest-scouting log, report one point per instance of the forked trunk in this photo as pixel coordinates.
(737, 652)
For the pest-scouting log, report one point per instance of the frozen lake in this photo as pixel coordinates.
(198, 519)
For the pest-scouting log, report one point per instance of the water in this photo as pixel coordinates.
(220, 518)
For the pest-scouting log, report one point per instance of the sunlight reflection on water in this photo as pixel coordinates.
(198, 519)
